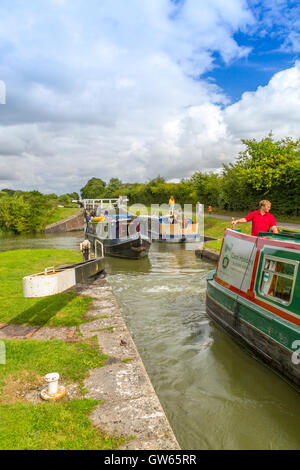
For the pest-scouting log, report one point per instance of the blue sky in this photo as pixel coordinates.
(140, 88)
(257, 69)
(274, 44)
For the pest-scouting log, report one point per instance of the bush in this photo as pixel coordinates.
(25, 212)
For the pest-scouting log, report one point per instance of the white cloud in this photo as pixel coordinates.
(275, 106)
(110, 91)
(206, 136)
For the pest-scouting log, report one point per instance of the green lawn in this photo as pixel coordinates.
(64, 309)
(28, 360)
(61, 213)
(60, 425)
(53, 426)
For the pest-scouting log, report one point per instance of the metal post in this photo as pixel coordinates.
(85, 248)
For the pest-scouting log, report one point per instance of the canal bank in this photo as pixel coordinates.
(131, 406)
(69, 224)
(208, 254)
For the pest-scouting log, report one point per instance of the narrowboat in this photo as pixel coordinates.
(173, 229)
(254, 294)
(122, 235)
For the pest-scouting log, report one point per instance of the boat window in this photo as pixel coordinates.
(277, 280)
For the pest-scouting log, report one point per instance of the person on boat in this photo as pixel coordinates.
(262, 220)
(88, 217)
(171, 204)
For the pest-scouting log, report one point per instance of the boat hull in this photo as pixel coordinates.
(170, 238)
(161, 230)
(132, 248)
(271, 352)
(166, 238)
(128, 249)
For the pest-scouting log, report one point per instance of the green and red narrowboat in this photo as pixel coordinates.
(254, 294)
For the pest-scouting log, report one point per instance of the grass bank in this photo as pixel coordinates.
(66, 309)
(53, 426)
(28, 361)
(27, 422)
(215, 228)
(49, 426)
(60, 213)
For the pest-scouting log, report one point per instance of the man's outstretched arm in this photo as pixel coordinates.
(239, 221)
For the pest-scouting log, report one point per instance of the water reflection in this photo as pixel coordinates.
(63, 241)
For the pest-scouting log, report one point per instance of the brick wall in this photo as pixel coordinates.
(70, 224)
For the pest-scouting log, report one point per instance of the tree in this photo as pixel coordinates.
(9, 192)
(64, 200)
(94, 189)
(113, 188)
(266, 169)
(15, 214)
(25, 211)
(264, 162)
(74, 196)
(206, 186)
(157, 181)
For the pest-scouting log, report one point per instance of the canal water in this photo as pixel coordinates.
(215, 395)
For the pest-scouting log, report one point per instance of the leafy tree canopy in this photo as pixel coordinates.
(113, 188)
(157, 181)
(10, 192)
(94, 189)
(264, 163)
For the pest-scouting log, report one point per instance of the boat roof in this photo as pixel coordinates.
(287, 235)
(121, 216)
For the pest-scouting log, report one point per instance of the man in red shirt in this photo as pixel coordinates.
(262, 220)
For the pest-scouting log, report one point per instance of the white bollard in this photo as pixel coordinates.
(52, 380)
(54, 391)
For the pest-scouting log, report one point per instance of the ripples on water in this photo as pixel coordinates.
(215, 395)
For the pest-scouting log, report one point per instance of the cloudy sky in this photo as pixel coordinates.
(136, 88)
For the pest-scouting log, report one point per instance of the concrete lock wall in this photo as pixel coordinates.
(70, 224)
